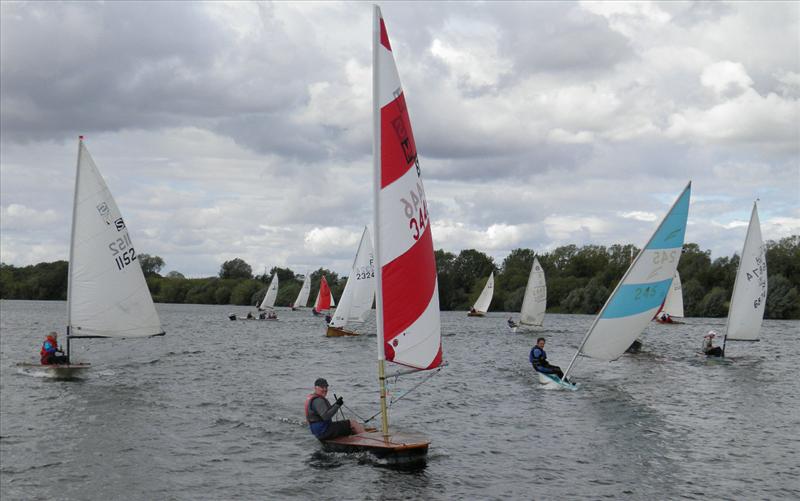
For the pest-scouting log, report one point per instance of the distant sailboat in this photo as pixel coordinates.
(481, 306)
(272, 294)
(359, 292)
(638, 295)
(302, 296)
(673, 304)
(407, 302)
(324, 299)
(534, 303)
(107, 295)
(749, 298)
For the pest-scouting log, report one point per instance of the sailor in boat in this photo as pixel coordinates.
(472, 310)
(538, 359)
(262, 315)
(272, 316)
(511, 323)
(665, 318)
(708, 345)
(250, 315)
(232, 316)
(48, 353)
(327, 319)
(320, 412)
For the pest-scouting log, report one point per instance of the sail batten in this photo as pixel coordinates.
(107, 293)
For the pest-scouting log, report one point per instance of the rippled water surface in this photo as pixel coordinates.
(213, 410)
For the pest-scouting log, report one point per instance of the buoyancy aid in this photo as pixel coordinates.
(49, 348)
(538, 359)
(316, 424)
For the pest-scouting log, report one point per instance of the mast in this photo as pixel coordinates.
(72, 242)
(376, 173)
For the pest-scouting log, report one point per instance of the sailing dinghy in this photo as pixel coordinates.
(302, 296)
(481, 306)
(673, 304)
(359, 292)
(534, 303)
(749, 298)
(107, 296)
(407, 293)
(324, 299)
(268, 304)
(640, 292)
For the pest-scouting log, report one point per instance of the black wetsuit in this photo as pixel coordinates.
(538, 359)
(320, 414)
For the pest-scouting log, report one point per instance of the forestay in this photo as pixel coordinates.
(750, 287)
(107, 294)
(642, 289)
(409, 330)
(271, 295)
(535, 301)
(485, 299)
(359, 292)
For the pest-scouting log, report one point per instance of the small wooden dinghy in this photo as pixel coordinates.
(398, 448)
(64, 371)
(339, 332)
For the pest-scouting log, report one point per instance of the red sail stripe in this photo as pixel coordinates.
(385, 37)
(398, 148)
(408, 285)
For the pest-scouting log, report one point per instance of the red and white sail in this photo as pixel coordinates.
(409, 330)
(323, 301)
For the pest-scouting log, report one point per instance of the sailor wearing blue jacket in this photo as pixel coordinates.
(538, 359)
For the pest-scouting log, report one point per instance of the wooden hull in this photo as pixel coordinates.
(399, 449)
(63, 371)
(476, 314)
(337, 332)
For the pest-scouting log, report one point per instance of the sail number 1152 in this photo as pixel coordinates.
(122, 250)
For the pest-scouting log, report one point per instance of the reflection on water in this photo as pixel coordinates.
(213, 410)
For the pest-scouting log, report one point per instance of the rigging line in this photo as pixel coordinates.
(406, 393)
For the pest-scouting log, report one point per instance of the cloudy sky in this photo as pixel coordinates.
(244, 129)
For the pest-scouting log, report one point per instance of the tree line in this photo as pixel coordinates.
(579, 280)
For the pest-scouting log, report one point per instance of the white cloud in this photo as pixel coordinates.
(639, 215)
(726, 77)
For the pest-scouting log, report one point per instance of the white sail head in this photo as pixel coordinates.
(642, 289)
(673, 305)
(271, 295)
(107, 295)
(746, 311)
(485, 299)
(534, 303)
(359, 291)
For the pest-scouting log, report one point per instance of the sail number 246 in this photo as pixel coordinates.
(416, 210)
(122, 250)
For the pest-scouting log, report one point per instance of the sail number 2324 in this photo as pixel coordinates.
(416, 210)
(122, 250)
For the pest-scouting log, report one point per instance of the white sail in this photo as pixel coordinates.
(107, 293)
(485, 299)
(535, 301)
(749, 297)
(641, 291)
(359, 292)
(305, 289)
(673, 305)
(271, 295)
(333, 301)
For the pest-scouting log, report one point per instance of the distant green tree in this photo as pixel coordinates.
(151, 265)
(235, 268)
(714, 303)
(783, 298)
(244, 292)
(175, 274)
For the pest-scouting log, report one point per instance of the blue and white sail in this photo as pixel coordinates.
(641, 291)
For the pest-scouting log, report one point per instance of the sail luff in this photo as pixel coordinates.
(627, 317)
(72, 234)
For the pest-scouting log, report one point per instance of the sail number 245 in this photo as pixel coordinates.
(416, 210)
(122, 250)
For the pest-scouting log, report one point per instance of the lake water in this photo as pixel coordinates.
(213, 410)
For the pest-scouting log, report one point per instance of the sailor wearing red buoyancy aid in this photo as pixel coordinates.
(319, 414)
(47, 355)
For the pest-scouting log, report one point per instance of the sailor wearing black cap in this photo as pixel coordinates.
(319, 414)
